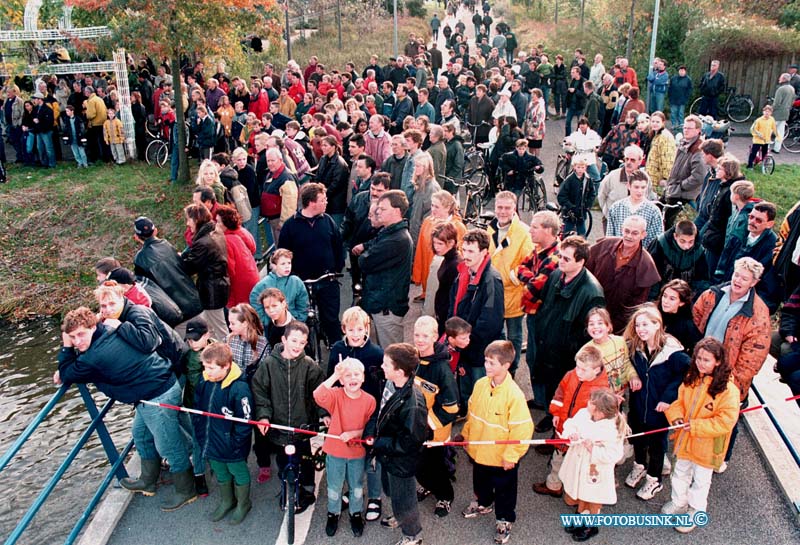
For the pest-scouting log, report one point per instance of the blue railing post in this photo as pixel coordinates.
(102, 432)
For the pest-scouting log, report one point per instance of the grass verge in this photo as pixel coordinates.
(55, 224)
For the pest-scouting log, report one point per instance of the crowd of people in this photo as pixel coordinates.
(350, 170)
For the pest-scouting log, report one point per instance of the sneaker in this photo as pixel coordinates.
(304, 500)
(373, 510)
(637, 474)
(545, 424)
(422, 493)
(201, 486)
(264, 474)
(544, 490)
(410, 541)
(332, 525)
(442, 508)
(357, 524)
(650, 488)
(667, 468)
(722, 468)
(502, 532)
(585, 533)
(687, 529)
(475, 510)
(671, 508)
(390, 522)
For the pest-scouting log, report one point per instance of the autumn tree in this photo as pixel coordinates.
(175, 28)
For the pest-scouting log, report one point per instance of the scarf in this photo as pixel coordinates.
(464, 281)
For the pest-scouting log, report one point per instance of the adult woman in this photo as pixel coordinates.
(242, 269)
(423, 124)
(207, 258)
(443, 209)
(616, 115)
(62, 94)
(534, 125)
(425, 185)
(645, 136)
(662, 150)
(675, 305)
(445, 244)
(247, 177)
(353, 110)
(718, 212)
(304, 106)
(362, 126)
(576, 196)
(28, 137)
(618, 138)
(139, 113)
(558, 80)
(208, 176)
(633, 102)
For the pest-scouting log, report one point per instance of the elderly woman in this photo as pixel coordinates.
(443, 209)
(425, 185)
(207, 258)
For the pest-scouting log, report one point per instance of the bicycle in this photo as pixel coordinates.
(157, 152)
(664, 207)
(315, 334)
(290, 485)
(791, 139)
(564, 164)
(533, 196)
(738, 108)
(767, 162)
(569, 216)
(473, 201)
(476, 155)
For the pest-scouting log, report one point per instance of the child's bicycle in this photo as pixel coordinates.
(290, 484)
(767, 162)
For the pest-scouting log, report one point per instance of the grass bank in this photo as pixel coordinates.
(55, 224)
(780, 188)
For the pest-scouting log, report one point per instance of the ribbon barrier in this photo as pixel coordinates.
(311, 433)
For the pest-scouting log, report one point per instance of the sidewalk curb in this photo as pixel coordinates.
(108, 514)
(779, 461)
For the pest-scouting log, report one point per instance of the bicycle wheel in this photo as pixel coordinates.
(768, 165)
(739, 109)
(474, 206)
(694, 109)
(162, 155)
(791, 141)
(290, 507)
(537, 195)
(588, 220)
(562, 171)
(151, 151)
(312, 346)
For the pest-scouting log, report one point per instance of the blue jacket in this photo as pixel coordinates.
(222, 440)
(118, 369)
(292, 288)
(659, 81)
(661, 376)
(761, 251)
(371, 355)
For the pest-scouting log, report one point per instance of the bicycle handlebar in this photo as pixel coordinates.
(326, 276)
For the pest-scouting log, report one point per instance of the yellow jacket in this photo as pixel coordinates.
(711, 422)
(497, 413)
(661, 157)
(96, 112)
(507, 256)
(113, 132)
(287, 106)
(763, 130)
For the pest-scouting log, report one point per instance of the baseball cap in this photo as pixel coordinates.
(143, 226)
(196, 328)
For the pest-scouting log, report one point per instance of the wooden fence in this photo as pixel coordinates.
(755, 77)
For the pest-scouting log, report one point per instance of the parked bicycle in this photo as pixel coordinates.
(791, 138)
(316, 337)
(472, 205)
(738, 108)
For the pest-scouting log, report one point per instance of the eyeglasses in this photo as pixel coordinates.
(631, 160)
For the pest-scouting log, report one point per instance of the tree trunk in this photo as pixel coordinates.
(180, 120)
(555, 19)
(629, 48)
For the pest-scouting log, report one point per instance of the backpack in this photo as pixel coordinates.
(241, 200)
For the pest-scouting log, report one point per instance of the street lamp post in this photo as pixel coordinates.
(288, 34)
(395, 28)
(653, 41)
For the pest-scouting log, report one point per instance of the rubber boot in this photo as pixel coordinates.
(226, 501)
(243, 504)
(185, 492)
(146, 483)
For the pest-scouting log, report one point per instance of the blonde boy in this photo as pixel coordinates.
(114, 136)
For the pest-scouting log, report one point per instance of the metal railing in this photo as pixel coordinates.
(115, 458)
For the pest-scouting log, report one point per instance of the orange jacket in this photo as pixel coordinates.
(572, 395)
(747, 336)
(712, 420)
(423, 256)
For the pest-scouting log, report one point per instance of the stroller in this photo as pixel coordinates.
(716, 129)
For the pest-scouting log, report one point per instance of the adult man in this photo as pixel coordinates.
(782, 107)
(316, 243)
(509, 245)
(13, 110)
(593, 110)
(597, 71)
(614, 186)
(477, 297)
(403, 107)
(636, 203)
(576, 97)
(609, 94)
(361, 177)
(424, 107)
(414, 139)
(395, 163)
(449, 115)
(625, 74)
(444, 94)
(759, 244)
(96, 115)
(377, 141)
(711, 87)
(438, 152)
(435, 25)
(624, 269)
(279, 192)
(95, 352)
(479, 113)
(736, 316)
(688, 170)
(158, 260)
(560, 324)
(678, 254)
(499, 42)
(454, 167)
(436, 59)
(519, 99)
(356, 227)
(43, 130)
(333, 173)
(206, 134)
(385, 262)
(785, 275)
(657, 84)
(680, 91)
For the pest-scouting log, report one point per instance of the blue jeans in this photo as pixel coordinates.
(514, 334)
(16, 137)
(44, 141)
(676, 113)
(571, 112)
(709, 106)
(80, 155)
(252, 227)
(545, 95)
(578, 226)
(593, 172)
(337, 469)
(157, 432)
(374, 486)
(467, 382)
(174, 163)
(530, 358)
(657, 102)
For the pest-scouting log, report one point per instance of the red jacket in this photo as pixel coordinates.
(242, 269)
(260, 105)
(296, 92)
(572, 395)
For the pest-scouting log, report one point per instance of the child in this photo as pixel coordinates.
(571, 395)
(660, 359)
(438, 385)
(282, 389)
(222, 389)
(350, 408)
(250, 348)
(596, 434)
(114, 136)
(497, 412)
(356, 344)
(198, 337)
(708, 408)
(273, 303)
(456, 338)
(613, 351)
(290, 285)
(763, 130)
(397, 433)
(103, 268)
(74, 129)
